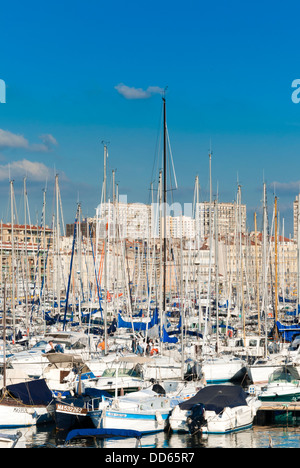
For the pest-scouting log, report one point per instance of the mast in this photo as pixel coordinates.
(26, 255)
(208, 302)
(217, 273)
(57, 246)
(165, 204)
(264, 266)
(257, 274)
(79, 261)
(4, 336)
(105, 248)
(298, 256)
(160, 253)
(44, 255)
(197, 220)
(276, 263)
(13, 257)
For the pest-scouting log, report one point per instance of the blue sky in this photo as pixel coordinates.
(229, 66)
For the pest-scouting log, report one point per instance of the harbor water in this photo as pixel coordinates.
(276, 436)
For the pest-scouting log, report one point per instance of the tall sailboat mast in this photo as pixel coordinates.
(57, 245)
(12, 258)
(26, 256)
(105, 248)
(164, 204)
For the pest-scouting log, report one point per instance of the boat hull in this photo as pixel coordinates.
(229, 420)
(12, 416)
(71, 417)
(146, 423)
(220, 372)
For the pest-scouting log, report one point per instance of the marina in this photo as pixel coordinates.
(149, 228)
(144, 337)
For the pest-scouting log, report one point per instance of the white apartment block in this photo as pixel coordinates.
(124, 220)
(230, 218)
(181, 227)
(141, 221)
(295, 217)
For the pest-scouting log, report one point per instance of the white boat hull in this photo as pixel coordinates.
(23, 416)
(219, 370)
(145, 422)
(230, 420)
(260, 374)
(16, 416)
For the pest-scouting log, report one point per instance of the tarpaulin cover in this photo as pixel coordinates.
(138, 326)
(216, 398)
(102, 433)
(167, 339)
(288, 331)
(34, 392)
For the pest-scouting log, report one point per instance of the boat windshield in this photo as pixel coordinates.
(284, 374)
(40, 345)
(122, 372)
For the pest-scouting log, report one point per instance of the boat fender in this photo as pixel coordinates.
(158, 417)
(116, 405)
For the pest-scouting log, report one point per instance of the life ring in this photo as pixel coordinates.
(153, 351)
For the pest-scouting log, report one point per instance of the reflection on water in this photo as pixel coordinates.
(257, 437)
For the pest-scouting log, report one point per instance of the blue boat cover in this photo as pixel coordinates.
(216, 398)
(102, 433)
(95, 392)
(167, 339)
(288, 331)
(34, 392)
(138, 326)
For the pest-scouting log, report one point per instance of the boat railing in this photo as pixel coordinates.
(94, 404)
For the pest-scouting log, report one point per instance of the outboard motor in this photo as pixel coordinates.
(196, 419)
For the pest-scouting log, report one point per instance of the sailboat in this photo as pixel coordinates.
(145, 409)
(23, 404)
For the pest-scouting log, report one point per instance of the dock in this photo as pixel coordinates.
(280, 406)
(269, 409)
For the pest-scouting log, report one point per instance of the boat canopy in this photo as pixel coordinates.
(34, 392)
(216, 398)
(102, 433)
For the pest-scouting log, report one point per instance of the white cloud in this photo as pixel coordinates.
(35, 171)
(137, 93)
(286, 187)
(48, 139)
(12, 140)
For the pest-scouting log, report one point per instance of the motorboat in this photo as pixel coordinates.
(145, 409)
(215, 409)
(284, 385)
(220, 369)
(122, 375)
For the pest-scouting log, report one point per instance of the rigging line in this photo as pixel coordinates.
(170, 152)
(157, 149)
(61, 212)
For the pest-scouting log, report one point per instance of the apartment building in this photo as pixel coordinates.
(230, 217)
